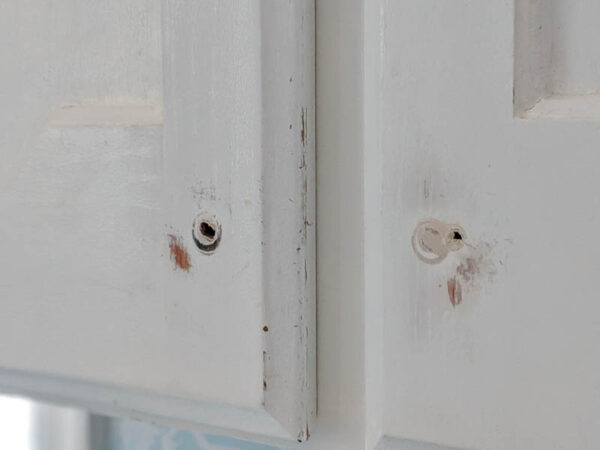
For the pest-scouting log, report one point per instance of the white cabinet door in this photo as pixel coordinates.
(458, 197)
(157, 212)
(481, 125)
(157, 217)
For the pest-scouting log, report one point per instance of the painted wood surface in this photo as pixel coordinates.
(420, 108)
(131, 133)
(495, 346)
(433, 117)
(556, 60)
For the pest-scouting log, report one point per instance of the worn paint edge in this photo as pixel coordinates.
(289, 244)
(130, 403)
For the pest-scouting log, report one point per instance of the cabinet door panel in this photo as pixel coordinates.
(156, 210)
(494, 345)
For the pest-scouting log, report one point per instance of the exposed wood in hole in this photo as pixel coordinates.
(179, 254)
(207, 230)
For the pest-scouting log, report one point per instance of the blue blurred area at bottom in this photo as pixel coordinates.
(115, 434)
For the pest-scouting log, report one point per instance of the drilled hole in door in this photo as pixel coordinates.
(207, 233)
(207, 230)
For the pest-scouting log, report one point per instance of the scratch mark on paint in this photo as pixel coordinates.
(264, 371)
(305, 222)
(179, 254)
(454, 291)
(303, 127)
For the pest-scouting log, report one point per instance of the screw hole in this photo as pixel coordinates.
(209, 232)
(206, 233)
(456, 239)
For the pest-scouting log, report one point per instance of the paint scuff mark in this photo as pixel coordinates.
(304, 435)
(477, 264)
(476, 267)
(179, 254)
(468, 269)
(454, 291)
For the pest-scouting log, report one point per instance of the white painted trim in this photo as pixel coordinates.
(244, 423)
(289, 238)
(565, 107)
(340, 210)
(373, 36)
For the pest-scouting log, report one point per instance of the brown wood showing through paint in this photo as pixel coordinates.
(179, 254)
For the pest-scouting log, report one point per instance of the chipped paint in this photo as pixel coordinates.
(303, 127)
(179, 254)
(293, 217)
(264, 371)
